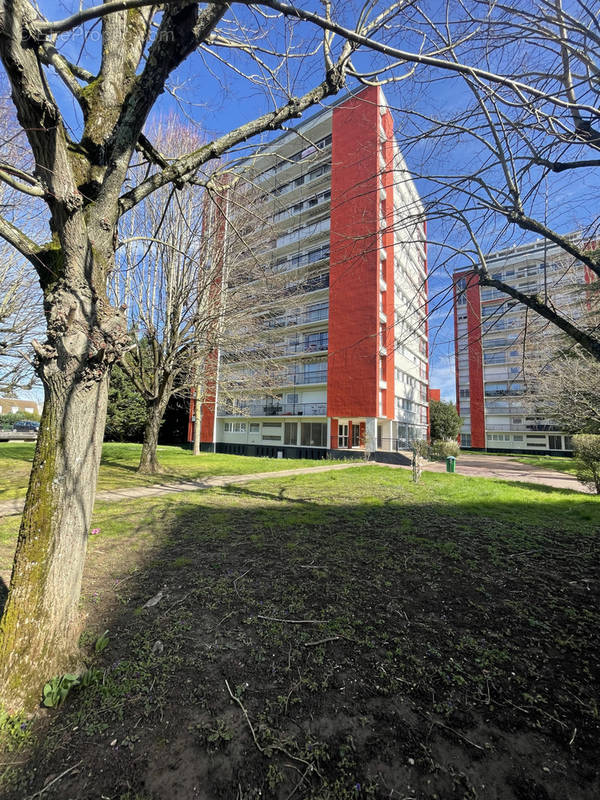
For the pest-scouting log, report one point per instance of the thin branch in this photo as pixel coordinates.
(406, 55)
(94, 12)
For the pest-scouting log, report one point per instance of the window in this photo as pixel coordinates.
(290, 433)
(518, 437)
(313, 434)
(465, 440)
(555, 442)
(291, 398)
(254, 427)
(342, 436)
(234, 427)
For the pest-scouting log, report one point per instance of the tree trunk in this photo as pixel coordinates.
(149, 464)
(41, 622)
(197, 421)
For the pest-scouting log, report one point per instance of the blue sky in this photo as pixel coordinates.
(216, 97)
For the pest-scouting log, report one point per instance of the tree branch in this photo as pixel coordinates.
(417, 58)
(31, 186)
(535, 226)
(94, 12)
(182, 168)
(26, 246)
(562, 166)
(589, 343)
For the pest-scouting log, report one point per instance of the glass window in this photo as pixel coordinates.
(290, 433)
(254, 427)
(313, 434)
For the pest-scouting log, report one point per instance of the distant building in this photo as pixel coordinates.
(10, 405)
(494, 339)
(347, 214)
(435, 394)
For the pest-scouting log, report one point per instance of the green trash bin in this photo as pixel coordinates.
(451, 464)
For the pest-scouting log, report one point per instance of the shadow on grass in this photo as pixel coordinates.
(334, 638)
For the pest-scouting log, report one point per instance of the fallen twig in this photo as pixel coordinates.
(245, 713)
(294, 621)
(322, 641)
(456, 733)
(239, 578)
(40, 792)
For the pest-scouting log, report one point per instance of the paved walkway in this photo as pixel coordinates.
(477, 466)
(503, 467)
(13, 507)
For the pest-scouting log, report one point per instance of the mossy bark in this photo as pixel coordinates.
(41, 623)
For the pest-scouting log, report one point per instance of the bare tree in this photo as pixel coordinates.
(502, 158)
(88, 176)
(21, 316)
(192, 276)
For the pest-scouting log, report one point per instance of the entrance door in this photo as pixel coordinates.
(355, 435)
(343, 436)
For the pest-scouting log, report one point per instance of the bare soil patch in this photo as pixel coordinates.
(343, 635)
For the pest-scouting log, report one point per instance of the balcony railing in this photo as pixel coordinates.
(523, 427)
(275, 410)
(298, 319)
(305, 347)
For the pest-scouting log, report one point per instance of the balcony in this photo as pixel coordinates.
(523, 427)
(308, 346)
(275, 410)
(301, 318)
(301, 378)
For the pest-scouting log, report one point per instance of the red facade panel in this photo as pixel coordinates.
(353, 381)
(387, 266)
(475, 354)
(475, 362)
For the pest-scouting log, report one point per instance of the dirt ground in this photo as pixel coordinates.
(366, 646)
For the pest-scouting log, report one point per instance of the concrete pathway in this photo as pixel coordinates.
(477, 466)
(504, 468)
(13, 507)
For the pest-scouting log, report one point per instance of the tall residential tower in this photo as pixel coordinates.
(499, 344)
(349, 229)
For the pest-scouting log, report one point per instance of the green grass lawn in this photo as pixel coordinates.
(337, 635)
(549, 462)
(120, 461)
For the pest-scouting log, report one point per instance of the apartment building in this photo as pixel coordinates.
(498, 343)
(350, 235)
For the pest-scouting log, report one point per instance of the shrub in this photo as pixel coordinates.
(442, 449)
(586, 447)
(421, 448)
(444, 421)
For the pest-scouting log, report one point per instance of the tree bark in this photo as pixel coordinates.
(197, 420)
(41, 621)
(149, 463)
